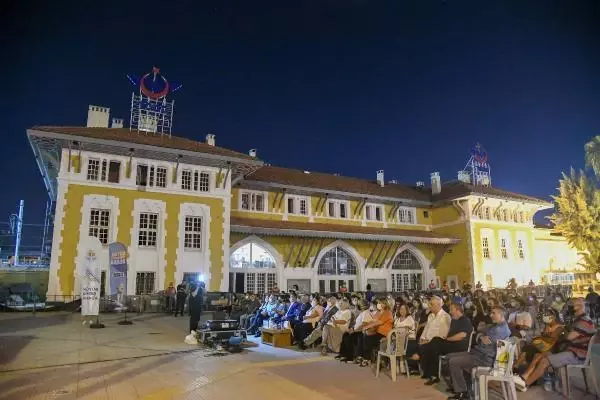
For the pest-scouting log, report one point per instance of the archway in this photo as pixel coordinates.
(337, 268)
(407, 270)
(252, 267)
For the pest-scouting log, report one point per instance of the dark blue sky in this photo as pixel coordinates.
(335, 86)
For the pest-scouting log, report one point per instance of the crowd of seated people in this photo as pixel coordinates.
(552, 332)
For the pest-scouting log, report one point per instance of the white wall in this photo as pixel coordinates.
(195, 261)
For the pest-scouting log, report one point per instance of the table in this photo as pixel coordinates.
(276, 337)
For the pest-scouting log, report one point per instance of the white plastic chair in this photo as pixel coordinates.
(396, 344)
(444, 358)
(500, 372)
(586, 366)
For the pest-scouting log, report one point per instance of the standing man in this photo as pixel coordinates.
(180, 298)
(195, 304)
(483, 353)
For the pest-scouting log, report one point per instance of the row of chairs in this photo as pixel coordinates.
(396, 342)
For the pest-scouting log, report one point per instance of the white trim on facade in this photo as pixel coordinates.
(265, 195)
(193, 260)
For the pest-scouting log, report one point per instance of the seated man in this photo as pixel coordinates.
(578, 338)
(438, 324)
(264, 313)
(328, 314)
(457, 341)
(483, 353)
(281, 310)
(294, 308)
(520, 321)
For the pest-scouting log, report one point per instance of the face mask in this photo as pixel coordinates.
(314, 304)
(547, 320)
(468, 304)
(557, 299)
(355, 301)
(379, 307)
(426, 306)
(416, 304)
(372, 308)
(513, 304)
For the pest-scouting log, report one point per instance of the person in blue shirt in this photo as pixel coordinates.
(483, 353)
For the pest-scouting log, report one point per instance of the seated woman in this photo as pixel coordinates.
(403, 319)
(310, 320)
(351, 345)
(553, 331)
(375, 331)
(335, 328)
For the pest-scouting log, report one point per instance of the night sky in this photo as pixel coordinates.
(333, 86)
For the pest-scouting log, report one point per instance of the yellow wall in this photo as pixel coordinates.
(72, 220)
(553, 253)
(444, 214)
(456, 261)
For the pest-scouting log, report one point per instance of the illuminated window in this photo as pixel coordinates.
(93, 169)
(148, 230)
(485, 245)
(520, 249)
(298, 205)
(406, 260)
(251, 255)
(144, 283)
(503, 249)
(406, 215)
(337, 262)
(373, 212)
(99, 224)
(192, 237)
(253, 201)
(303, 208)
(260, 278)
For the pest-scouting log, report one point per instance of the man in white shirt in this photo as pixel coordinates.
(438, 322)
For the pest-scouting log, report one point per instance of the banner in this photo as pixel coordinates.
(90, 277)
(117, 254)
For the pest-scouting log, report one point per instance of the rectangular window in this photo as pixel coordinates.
(114, 171)
(186, 179)
(520, 249)
(331, 209)
(271, 284)
(204, 184)
(378, 214)
(151, 177)
(245, 201)
(258, 203)
(161, 177)
(103, 175)
(503, 249)
(343, 213)
(141, 177)
(99, 224)
(93, 169)
(148, 230)
(322, 286)
(368, 216)
(485, 244)
(332, 286)
(192, 238)
(196, 180)
(425, 214)
(144, 283)
(303, 207)
(505, 215)
(251, 283)
(521, 219)
(260, 283)
(487, 213)
(290, 205)
(406, 215)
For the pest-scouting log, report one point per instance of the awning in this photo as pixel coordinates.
(334, 231)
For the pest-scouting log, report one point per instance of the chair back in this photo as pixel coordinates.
(594, 340)
(400, 341)
(505, 357)
(471, 335)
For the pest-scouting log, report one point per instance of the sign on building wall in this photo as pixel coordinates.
(117, 254)
(89, 273)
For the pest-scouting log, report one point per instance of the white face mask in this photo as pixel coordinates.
(547, 320)
(379, 307)
(426, 306)
(557, 299)
(468, 304)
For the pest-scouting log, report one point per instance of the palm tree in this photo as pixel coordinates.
(592, 154)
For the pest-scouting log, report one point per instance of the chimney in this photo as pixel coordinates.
(97, 117)
(463, 176)
(380, 179)
(436, 183)
(117, 123)
(210, 139)
(420, 184)
(252, 153)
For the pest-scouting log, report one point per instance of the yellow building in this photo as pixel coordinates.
(192, 210)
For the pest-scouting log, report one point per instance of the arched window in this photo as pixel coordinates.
(337, 262)
(411, 278)
(406, 260)
(252, 269)
(251, 255)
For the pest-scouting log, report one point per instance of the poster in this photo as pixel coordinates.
(90, 277)
(117, 254)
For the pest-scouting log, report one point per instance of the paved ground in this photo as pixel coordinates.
(52, 356)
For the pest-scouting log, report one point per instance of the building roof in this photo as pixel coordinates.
(334, 231)
(324, 181)
(133, 136)
(454, 189)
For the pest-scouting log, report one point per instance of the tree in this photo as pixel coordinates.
(592, 154)
(577, 214)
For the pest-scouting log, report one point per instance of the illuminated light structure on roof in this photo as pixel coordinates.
(477, 171)
(150, 110)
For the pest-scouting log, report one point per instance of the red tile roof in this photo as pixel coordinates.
(126, 135)
(452, 190)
